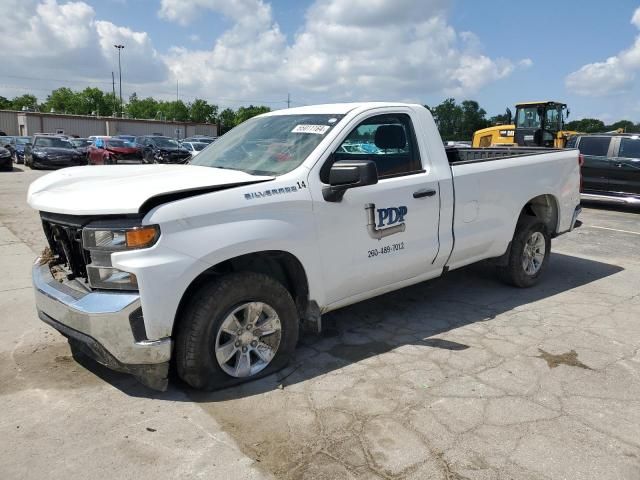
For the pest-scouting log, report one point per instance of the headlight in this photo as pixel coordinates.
(95, 238)
(102, 242)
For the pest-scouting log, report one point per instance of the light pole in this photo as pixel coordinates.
(120, 47)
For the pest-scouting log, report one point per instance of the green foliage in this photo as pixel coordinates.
(27, 100)
(176, 111)
(227, 119)
(5, 103)
(458, 122)
(200, 111)
(245, 113)
(586, 125)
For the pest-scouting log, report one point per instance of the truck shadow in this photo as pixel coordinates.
(415, 315)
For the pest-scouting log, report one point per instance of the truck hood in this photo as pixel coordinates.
(124, 189)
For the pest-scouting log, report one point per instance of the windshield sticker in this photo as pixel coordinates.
(316, 129)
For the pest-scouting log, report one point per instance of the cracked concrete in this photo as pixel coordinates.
(458, 378)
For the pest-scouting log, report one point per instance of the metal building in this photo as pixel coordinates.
(28, 123)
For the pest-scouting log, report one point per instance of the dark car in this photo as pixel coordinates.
(611, 169)
(49, 151)
(109, 151)
(6, 162)
(160, 149)
(19, 146)
(81, 145)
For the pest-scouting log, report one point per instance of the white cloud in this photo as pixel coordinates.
(346, 49)
(55, 40)
(614, 75)
(526, 63)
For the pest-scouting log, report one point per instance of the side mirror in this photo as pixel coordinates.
(346, 174)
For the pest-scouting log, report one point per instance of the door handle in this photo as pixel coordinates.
(425, 192)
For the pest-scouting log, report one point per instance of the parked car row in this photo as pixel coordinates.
(45, 150)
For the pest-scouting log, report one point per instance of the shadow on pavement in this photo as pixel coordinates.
(413, 316)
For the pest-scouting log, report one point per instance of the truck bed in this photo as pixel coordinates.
(461, 156)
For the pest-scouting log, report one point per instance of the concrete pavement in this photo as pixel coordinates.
(457, 378)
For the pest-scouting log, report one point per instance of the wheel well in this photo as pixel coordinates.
(282, 266)
(545, 207)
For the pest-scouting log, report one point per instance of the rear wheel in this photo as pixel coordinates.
(529, 253)
(240, 327)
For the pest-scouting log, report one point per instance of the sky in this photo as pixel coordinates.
(239, 52)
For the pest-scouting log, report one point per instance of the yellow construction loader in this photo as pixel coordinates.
(538, 124)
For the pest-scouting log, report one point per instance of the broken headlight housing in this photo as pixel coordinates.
(103, 241)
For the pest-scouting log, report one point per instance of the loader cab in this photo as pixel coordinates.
(539, 124)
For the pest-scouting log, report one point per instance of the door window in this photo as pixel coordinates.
(388, 140)
(629, 148)
(594, 146)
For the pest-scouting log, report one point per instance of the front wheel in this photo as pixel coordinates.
(529, 253)
(240, 327)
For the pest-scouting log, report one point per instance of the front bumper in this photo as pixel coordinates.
(6, 163)
(48, 163)
(99, 324)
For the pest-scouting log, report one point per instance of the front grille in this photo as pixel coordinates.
(65, 242)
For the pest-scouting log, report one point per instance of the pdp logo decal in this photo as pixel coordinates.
(391, 218)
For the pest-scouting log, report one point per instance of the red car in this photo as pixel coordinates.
(109, 151)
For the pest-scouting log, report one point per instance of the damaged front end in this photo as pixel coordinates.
(104, 324)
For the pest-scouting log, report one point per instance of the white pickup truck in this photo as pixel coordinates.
(216, 265)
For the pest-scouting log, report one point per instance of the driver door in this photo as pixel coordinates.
(381, 234)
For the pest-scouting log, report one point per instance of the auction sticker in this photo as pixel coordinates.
(317, 129)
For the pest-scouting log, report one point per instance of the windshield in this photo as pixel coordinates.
(23, 140)
(166, 142)
(117, 143)
(198, 146)
(271, 145)
(53, 142)
(80, 143)
(527, 117)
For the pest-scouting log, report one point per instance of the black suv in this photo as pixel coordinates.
(159, 149)
(611, 170)
(51, 151)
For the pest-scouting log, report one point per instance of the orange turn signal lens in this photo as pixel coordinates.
(142, 237)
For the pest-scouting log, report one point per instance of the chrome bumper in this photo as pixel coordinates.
(98, 322)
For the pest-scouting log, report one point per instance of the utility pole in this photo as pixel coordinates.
(120, 47)
(288, 100)
(177, 97)
(113, 85)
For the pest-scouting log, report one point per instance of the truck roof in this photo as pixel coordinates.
(337, 108)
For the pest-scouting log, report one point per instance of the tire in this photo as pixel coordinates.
(202, 344)
(531, 235)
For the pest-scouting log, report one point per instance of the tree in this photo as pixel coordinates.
(473, 118)
(627, 126)
(175, 110)
(227, 119)
(5, 103)
(245, 113)
(586, 125)
(201, 112)
(146, 108)
(448, 117)
(27, 100)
